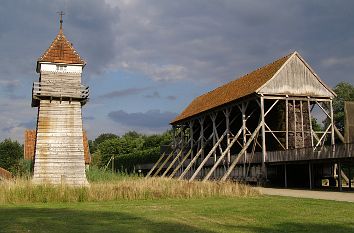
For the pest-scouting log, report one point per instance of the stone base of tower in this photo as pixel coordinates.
(59, 155)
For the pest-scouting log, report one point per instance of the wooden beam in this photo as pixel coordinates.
(274, 136)
(302, 125)
(234, 163)
(208, 156)
(200, 152)
(339, 176)
(216, 164)
(175, 159)
(287, 123)
(322, 137)
(328, 115)
(285, 177)
(332, 122)
(180, 164)
(163, 164)
(264, 149)
(271, 107)
(310, 119)
(295, 128)
(156, 164)
(339, 135)
(310, 176)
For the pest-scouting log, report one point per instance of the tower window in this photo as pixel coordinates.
(61, 68)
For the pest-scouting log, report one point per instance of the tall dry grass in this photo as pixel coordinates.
(24, 191)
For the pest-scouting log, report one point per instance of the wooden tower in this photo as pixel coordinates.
(59, 96)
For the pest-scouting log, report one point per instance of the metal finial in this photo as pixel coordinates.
(61, 13)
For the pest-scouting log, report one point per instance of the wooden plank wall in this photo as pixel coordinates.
(296, 79)
(59, 156)
(30, 141)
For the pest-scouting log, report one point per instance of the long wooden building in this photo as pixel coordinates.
(244, 129)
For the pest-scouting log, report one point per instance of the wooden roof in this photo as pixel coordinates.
(236, 89)
(61, 51)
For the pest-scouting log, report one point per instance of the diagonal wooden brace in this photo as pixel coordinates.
(223, 155)
(208, 156)
(238, 157)
(175, 159)
(195, 158)
(163, 164)
(180, 164)
(156, 164)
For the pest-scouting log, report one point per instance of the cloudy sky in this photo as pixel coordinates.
(146, 60)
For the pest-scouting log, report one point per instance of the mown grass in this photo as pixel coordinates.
(208, 215)
(105, 186)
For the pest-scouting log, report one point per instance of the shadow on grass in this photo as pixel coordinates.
(299, 227)
(66, 220)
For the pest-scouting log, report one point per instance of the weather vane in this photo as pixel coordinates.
(61, 13)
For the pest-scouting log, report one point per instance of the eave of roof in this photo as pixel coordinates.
(236, 89)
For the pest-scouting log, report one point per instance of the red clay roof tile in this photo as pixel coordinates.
(61, 51)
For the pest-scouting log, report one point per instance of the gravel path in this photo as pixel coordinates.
(325, 195)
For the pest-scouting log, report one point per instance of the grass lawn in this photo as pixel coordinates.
(250, 214)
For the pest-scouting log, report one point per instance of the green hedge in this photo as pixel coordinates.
(128, 162)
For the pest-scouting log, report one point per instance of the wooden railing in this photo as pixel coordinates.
(339, 151)
(46, 89)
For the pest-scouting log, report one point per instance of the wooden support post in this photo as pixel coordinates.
(295, 130)
(285, 177)
(112, 161)
(287, 123)
(191, 135)
(340, 176)
(310, 119)
(201, 122)
(208, 156)
(213, 118)
(264, 149)
(227, 121)
(332, 122)
(310, 176)
(339, 135)
(244, 138)
(302, 124)
(156, 164)
(350, 176)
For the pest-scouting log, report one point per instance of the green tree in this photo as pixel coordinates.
(10, 154)
(345, 92)
(93, 145)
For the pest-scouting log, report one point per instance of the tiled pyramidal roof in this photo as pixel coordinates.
(236, 89)
(61, 51)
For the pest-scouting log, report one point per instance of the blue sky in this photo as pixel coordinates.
(147, 59)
